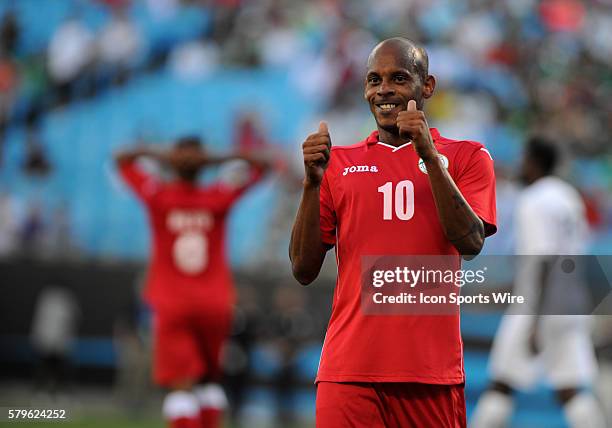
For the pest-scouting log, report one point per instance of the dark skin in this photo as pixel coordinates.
(395, 77)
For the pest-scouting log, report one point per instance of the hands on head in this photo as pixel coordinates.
(187, 157)
(187, 161)
(198, 157)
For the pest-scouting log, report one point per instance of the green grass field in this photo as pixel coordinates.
(99, 407)
(114, 418)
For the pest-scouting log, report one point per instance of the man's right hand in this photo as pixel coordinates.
(316, 150)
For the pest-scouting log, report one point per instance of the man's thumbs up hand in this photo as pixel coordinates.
(412, 126)
(408, 119)
(316, 150)
(323, 127)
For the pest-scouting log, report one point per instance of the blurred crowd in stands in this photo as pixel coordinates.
(504, 69)
(529, 64)
(29, 231)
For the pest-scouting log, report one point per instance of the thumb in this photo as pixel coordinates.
(323, 127)
(412, 105)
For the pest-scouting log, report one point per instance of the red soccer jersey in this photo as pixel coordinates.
(188, 267)
(357, 216)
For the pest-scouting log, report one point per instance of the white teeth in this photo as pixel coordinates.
(387, 106)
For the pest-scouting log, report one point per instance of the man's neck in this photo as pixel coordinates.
(390, 138)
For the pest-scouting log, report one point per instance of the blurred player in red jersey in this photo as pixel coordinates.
(189, 282)
(404, 190)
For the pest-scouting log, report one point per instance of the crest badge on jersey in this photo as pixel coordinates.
(423, 168)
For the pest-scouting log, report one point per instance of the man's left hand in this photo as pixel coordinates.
(413, 126)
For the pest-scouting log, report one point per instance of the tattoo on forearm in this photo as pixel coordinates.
(459, 201)
(476, 227)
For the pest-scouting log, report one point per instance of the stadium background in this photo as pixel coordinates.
(79, 79)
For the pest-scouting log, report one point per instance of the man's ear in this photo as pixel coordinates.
(429, 86)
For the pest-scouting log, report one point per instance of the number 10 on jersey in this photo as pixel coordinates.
(402, 195)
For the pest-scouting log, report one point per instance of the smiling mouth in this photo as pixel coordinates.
(386, 107)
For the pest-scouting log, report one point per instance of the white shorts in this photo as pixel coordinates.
(566, 358)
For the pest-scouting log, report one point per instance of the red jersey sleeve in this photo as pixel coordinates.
(142, 184)
(327, 214)
(476, 181)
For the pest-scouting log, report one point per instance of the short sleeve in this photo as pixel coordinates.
(327, 214)
(142, 184)
(476, 182)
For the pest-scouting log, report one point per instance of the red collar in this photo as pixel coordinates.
(373, 137)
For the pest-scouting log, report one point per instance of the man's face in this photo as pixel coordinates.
(390, 83)
(186, 160)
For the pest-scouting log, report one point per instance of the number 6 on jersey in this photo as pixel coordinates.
(404, 200)
(190, 251)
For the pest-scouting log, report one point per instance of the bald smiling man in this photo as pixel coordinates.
(404, 190)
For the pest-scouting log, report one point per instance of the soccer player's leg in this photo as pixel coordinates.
(344, 405)
(581, 408)
(571, 368)
(177, 366)
(213, 330)
(494, 406)
(512, 366)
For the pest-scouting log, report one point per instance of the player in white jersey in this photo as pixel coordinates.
(549, 220)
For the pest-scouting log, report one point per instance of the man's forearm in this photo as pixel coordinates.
(306, 249)
(461, 225)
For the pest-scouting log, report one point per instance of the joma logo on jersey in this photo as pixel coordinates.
(359, 168)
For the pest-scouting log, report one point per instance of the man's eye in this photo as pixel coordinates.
(373, 80)
(400, 78)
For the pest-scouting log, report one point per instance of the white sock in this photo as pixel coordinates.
(180, 404)
(211, 395)
(583, 411)
(493, 410)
